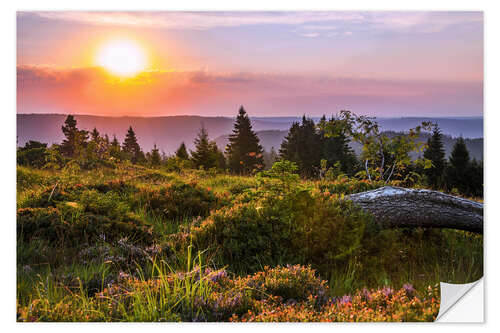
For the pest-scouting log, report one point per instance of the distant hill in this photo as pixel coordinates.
(169, 132)
(467, 127)
(268, 139)
(166, 132)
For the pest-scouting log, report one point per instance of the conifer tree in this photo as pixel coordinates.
(94, 135)
(155, 158)
(457, 172)
(97, 147)
(219, 156)
(75, 141)
(244, 153)
(435, 153)
(106, 141)
(336, 149)
(131, 147)
(303, 146)
(114, 148)
(205, 153)
(182, 152)
(475, 177)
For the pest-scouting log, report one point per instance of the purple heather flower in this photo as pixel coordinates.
(387, 291)
(409, 289)
(345, 299)
(365, 294)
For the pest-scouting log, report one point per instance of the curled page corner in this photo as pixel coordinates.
(454, 299)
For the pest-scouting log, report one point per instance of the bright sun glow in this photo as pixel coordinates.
(122, 57)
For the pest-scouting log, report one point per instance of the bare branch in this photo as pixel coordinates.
(367, 172)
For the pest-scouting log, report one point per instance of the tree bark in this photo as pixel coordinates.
(403, 207)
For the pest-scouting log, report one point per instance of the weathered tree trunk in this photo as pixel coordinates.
(402, 207)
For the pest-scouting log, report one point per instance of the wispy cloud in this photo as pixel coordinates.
(313, 21)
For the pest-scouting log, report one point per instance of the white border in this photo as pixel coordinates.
(8, 121)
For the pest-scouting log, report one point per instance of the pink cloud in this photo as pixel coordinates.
(93, 91)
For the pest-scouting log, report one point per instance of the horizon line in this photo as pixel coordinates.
(204, 116)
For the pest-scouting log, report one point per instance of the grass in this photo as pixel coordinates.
(124, 258)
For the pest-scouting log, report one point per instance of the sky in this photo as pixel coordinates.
(385, 64)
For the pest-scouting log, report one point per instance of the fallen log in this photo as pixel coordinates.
(403, 207)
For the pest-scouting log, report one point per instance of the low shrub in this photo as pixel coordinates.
(297, 227)
(71, 225)
(292, 283)
(375, 305)
(106, 204)
(176, 201)
(119, 186)
(35, 157)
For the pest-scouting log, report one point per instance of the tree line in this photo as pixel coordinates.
(319, 150)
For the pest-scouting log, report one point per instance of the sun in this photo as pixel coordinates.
(122, 57)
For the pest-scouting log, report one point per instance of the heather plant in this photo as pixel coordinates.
(385, 304)
(292, 283)
(177, 200)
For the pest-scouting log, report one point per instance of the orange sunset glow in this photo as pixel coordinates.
(276, 64)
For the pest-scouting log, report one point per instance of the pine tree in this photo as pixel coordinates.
(94, 135)
(75, 141)
(182, 152)
(303, 146)
(476, 181)
(219, 156)
(155, 158)
(114, 148)
(457, 172)
(244, 153)
(131, 147)
(106, 141)
(435, 153)
(97, 147)
(204, 154)
(337, 149)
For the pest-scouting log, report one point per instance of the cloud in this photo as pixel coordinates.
(313, 21)
(93, 91)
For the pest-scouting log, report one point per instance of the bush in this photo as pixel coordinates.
(68, 223)
(50, 196)
(291, 283)
(176, 164)
(176, 201)
(118, 186)
(292, 228)
(35, 157)
(107, 204)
